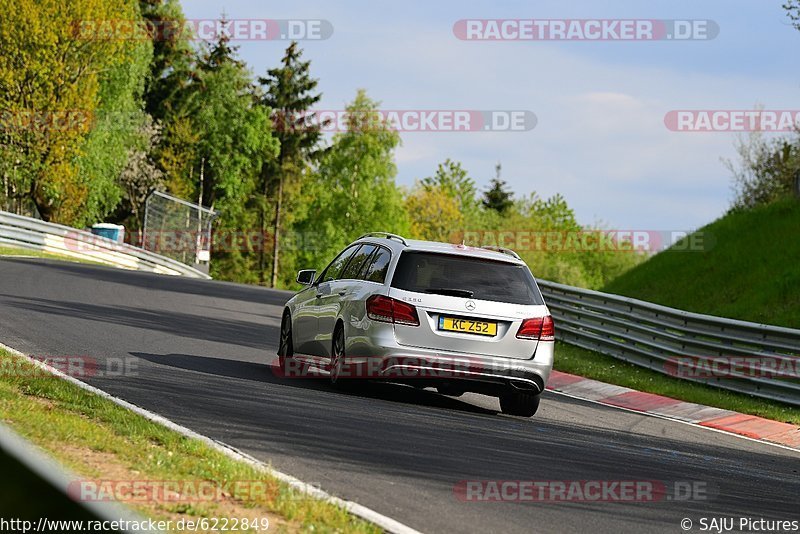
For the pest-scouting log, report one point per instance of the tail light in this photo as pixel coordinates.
(389, 310)
(548, 329)
(541, 328)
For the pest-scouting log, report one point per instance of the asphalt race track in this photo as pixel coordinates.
(201, 354)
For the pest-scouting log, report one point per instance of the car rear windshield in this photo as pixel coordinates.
(451, 274)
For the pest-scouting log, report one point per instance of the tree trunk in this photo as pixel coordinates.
(263, 244)
(46, 209)
(276, 231)
(262, 223)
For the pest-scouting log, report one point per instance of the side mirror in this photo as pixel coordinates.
(306, 277)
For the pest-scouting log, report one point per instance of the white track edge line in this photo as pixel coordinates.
(384, 522)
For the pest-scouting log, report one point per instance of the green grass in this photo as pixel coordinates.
(751, 270)
(98, 439)
(13, 251)
(575, 360)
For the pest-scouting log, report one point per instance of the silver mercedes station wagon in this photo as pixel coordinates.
(428, 314)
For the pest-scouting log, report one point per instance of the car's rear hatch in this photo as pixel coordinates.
(466, 304)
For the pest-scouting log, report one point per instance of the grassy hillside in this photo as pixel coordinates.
(751, 270)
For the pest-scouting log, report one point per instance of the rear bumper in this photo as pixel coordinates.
(471, 372)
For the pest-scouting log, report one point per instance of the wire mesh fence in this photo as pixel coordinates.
(178, 229)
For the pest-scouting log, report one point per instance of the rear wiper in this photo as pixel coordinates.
(466, 293)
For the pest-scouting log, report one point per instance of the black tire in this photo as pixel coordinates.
(520, 403)
(337, 356)
(286, 343)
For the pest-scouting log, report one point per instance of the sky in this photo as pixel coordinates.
(600, 139)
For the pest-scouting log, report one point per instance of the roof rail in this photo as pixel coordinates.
(506, 251)
(387, 235)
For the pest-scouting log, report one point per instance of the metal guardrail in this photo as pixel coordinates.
(29, 233)
(672, 341)
(38, 487)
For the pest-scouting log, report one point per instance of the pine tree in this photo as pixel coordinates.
(497, 197)
(233, 138)
(289, 96)
(173, 57)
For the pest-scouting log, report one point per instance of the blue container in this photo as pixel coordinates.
(114, 232)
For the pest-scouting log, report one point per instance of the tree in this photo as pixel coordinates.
(177, 156)
(497, 197)
(171, 68)
(51, 81)
(235, 136)
(435, 215)
(289, 97)
(452, 179)
(553, 213)
(352, 190)
(140, 177)
(766, 170)
(171, 79)
(792, 8)
(230, 139)
(117, 133)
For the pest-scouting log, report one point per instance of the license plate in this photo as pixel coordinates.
(468, 326)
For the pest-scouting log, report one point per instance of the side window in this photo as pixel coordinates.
(363, 271)
(357, 262)
(332, 271)
(378, 265)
